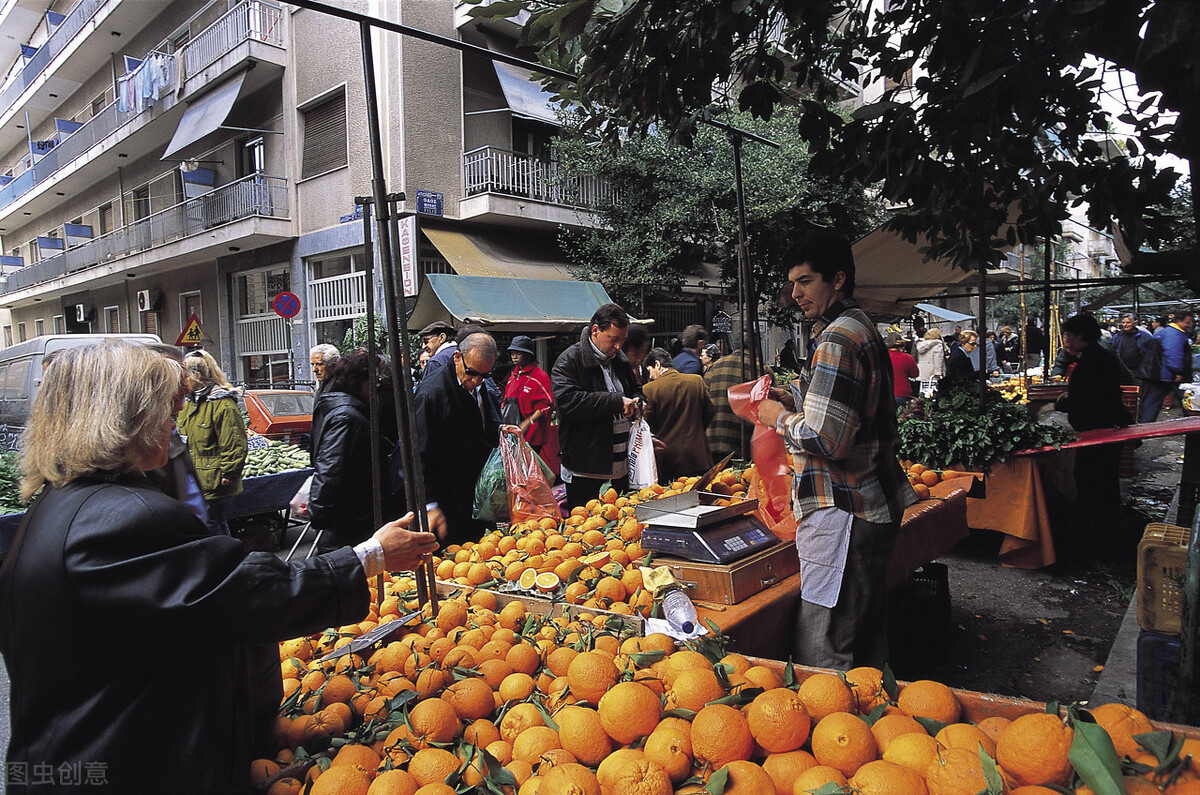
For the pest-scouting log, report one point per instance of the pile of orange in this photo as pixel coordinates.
(589, 559)
(922, 478)
(536, 705)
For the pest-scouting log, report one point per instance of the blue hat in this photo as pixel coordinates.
(523, 344)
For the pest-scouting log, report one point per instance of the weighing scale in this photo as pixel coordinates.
(691, 527)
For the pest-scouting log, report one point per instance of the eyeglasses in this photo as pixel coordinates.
(474, 373)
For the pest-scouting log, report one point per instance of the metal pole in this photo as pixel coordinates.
(372, 379)
(745, 282)
(982, 346)
(1047, 343)
(402, 392)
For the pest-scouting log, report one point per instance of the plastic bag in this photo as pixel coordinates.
(529, 480)
(299, 503)
(643, 470)
(771, 460)
(491, 491)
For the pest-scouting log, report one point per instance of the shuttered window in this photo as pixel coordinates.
(324, 137)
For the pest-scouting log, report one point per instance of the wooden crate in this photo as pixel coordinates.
(730, 583)
(1162, 561)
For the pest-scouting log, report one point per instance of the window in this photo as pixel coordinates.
(99, 103)
(337, 290)
(59, 324)
(39, 327)
(324, 137)
(8, 336)
(21, 332)
(112, 320)
(106, 218)
(141, 202)
(150, 323)
(189, 304)
(256, 290)
(254, 159)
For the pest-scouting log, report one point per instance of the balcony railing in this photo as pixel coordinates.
(262, 334)
(256, 195)
(491, 170)
(338, 297)
(251, 20)
(80, 15)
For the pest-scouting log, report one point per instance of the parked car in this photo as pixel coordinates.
(281, 414)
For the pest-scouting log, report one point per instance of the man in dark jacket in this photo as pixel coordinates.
(1139, 351)
(1175, 367)
(596, 393)
(688, 359)
(458, 421)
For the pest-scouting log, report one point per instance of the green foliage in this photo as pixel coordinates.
(10, 482)
(356, 335)
(957, 431)
(677, 207)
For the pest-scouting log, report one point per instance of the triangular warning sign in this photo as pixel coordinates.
(192, 334)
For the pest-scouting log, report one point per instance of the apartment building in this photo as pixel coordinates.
(163, 159)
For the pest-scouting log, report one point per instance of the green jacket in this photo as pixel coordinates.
(216, 440)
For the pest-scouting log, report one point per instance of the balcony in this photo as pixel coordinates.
(526, 190)
(251, 31)
(253, 196)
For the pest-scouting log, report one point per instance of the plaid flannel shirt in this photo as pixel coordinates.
(843, 440)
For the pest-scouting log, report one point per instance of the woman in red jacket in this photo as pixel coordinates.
(528, 388)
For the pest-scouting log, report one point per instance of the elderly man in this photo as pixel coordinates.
(458, 422)
(320, 358)
(678, 409)
(1139, 351)
(850, 492)
(595, 390)
(438, 339)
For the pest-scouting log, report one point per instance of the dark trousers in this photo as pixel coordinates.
(580, 490)
(1156, 393)
(853, 632)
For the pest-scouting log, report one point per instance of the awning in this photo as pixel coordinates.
(891, 274)
(501, 304)
(523, 256)
(205, 115)
(525, 96)
(943, 313)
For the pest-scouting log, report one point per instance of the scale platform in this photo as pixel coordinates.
(689, 526)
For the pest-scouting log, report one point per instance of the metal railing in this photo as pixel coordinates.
(249, 20)
(256, 195)
(338, 297)
(75, 21)
(260, 335)
(491, 170)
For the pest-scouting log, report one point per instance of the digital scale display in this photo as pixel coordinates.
(721, 543)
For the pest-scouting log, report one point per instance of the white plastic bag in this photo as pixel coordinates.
(299, 503)
(643, 471)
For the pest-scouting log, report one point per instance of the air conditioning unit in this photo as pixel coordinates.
(83, 313)
(145, 301)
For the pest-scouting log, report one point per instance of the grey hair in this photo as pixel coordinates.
(480, 342)
(328, 353)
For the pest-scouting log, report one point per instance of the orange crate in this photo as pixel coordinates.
(1162, 563)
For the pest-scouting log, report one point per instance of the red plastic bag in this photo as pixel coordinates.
(529, 479)
(771, 460)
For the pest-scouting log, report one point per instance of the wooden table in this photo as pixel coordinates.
(764, 624)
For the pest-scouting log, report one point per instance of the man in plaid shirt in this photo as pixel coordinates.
(839, 423)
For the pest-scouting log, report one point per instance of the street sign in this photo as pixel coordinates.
(722, 323)
(429, 202)
(408, 255)
(192, 334)
(286, 305)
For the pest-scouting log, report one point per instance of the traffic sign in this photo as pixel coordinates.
(286, 305)
(192, 334)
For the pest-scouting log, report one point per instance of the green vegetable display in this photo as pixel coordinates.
(10, 482)
(275, 457)
(952, 430)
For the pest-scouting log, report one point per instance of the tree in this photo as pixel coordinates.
(677, 207)
(1000, 142)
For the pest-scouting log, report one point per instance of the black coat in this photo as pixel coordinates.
(341, 500)
(586, 407)
(455, 442)
(147, 622)
(1093, 398)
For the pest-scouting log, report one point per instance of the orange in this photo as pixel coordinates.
(867, 683)
(640, 776)
(816, 777)
(559, 660)
(720, 735)
(785, 768)
(357, 756)
(341, 781)
(889, 727)
(993, 726)
(451, 613)
(471, 698)
(1122, 722)
(926, 698)
(914, 751)
(747, 778)
(693, 689)
(615, 761)
(844, 742)
(393, 782)
(966, 736)
(671, 750)
(930, 477)
(570, 779)
(761, 676)
(523, 658)
(433, 721)
(887, 778)
(778, 720)
(481, 733)
(682, 660)
(1033, 750)
(533, 742)
(824, 694)
(629, 711)
(516, 687)
(432, 765)
(954, 771)
(590, 675)
(581, 732)
(292, 786)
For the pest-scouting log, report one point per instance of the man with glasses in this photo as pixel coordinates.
(458, 422)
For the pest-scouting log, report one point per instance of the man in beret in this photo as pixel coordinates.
(438, 339)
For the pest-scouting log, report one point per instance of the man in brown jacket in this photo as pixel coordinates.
(678, 409)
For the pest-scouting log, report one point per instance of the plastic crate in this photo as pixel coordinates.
(1158, 675)
(1162, 562)
(919, 619)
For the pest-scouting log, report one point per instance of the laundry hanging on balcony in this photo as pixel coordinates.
(145, 82)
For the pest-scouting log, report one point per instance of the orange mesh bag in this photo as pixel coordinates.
(528, 478)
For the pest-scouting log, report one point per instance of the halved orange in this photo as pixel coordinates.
(596, 559)
(527, 579)
(546, 581)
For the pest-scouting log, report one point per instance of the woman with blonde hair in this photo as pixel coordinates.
(931, 356)
(212, 424)
(105, 561)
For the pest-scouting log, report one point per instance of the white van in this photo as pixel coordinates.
(21, 375)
